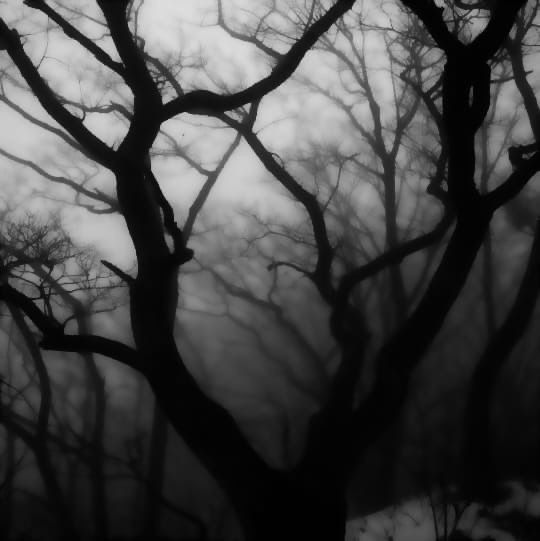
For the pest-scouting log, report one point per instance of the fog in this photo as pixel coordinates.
(313, 305)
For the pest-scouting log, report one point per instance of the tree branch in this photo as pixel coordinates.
(136, 72)
(480, 478)
(399, 356)
(204, 192)
(96, 195)
(129, 280)
(10, 41)
(503, 16)
(392, 257)
(55, 339)
(321, 275)
(70, 31)
(432, 17)
(514, 183)
(243, 37)
(527, 93)
(207, 102)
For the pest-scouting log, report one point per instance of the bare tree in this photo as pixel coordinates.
(308, 499)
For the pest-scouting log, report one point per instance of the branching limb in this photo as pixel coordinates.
(392, 257)
(480, 476)
(321, 275)
(204, 192)
(525, 89)
(119, 272)
(147, 105)
(136, 72)
(244, 37)
(397, 359)
(212, 176)
(514, 183)
(165, 72)
(43, 125)
(207, 102)
(95, 195)
(485, 45)
(45, 402)
(70, 31)
(432, 17)
(10, 42)
(91, 343)
(55, 339)
(489, 41)
(181, 253)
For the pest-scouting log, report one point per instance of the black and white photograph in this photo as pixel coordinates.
(269, 270)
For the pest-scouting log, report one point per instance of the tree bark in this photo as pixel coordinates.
(155, 473)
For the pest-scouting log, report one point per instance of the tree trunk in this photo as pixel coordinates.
(298, 511)
(7, 486)
(155, 473)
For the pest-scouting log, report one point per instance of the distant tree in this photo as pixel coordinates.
(43, 262)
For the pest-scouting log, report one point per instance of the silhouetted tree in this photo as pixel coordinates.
(308, 499)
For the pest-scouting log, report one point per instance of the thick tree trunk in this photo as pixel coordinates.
(480, 468)
(96, 406)
(298, 511)
(398, 301)
(56, 499)
(155, 473)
